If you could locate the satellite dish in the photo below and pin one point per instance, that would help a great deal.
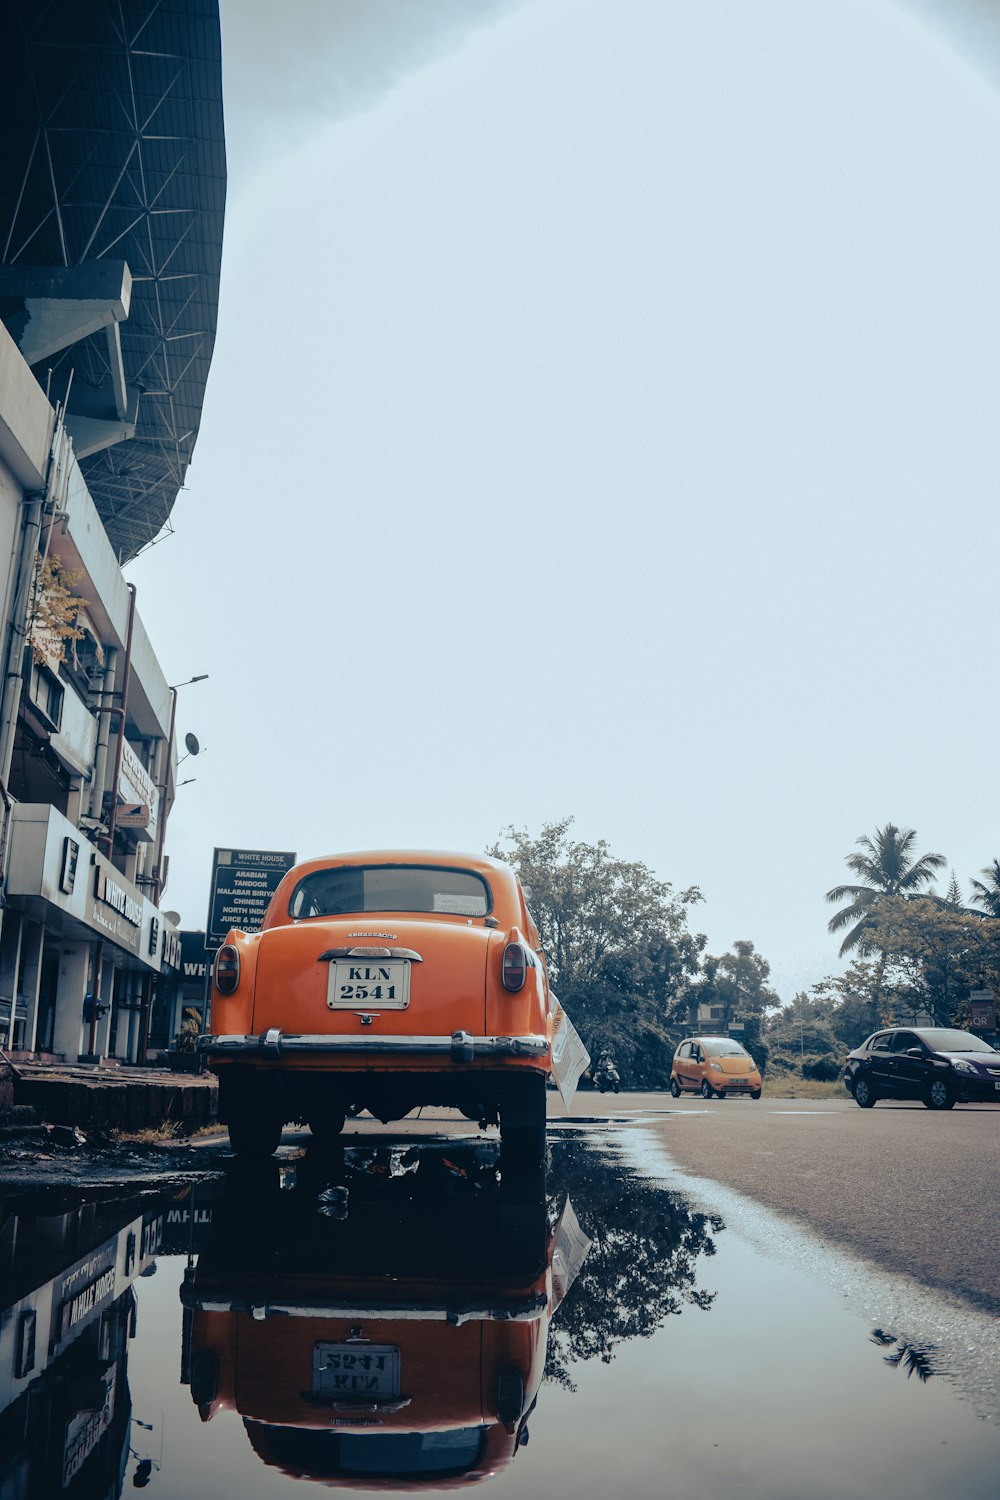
(191, 744)
(173, 917)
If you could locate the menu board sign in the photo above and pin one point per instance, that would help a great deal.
(243, 882)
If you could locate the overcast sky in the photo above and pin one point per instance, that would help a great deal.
(603, 421)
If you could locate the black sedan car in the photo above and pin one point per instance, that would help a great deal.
(936, 1064)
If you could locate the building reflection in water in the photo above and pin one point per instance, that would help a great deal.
(384, 1315)
(68, 1315)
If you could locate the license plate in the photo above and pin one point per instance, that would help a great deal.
(368, 984)
(736, 1082)
(353, 1371)
(996, 1085)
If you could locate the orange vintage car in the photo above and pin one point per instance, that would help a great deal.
(385, 981)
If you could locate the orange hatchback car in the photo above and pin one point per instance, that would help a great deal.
(714, 1065)
(385, 981)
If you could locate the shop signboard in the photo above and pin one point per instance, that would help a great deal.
(243, 882)
(193, 960)
(85, 1290)
(137, 796)
(85, 1428)
(984, 1014)
(114, 907)
(170, 952)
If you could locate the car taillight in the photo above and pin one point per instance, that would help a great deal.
(515, 967)
(227, 969)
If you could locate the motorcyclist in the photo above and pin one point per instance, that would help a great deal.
(606, 1075)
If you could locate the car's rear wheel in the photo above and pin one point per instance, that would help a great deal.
(254, 1135)
(939, 1095)
(675, 1088)
(327, 1125)
(522, 1117)
(864, 1094)
(706, 1089)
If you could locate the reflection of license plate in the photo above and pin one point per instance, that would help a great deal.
(379, 983)
(355, 1371)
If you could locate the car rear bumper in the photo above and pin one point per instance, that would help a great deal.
(526, 1308)
(460, 1046)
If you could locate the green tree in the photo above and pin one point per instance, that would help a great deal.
(855, 1003)
(736, 983)
(621, 956)
(936, 954)
(804, 1026)
(986, 894)
(886, 867)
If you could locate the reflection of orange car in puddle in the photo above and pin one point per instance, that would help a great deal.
(389, 1329)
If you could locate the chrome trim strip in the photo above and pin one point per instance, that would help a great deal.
(462, 1046)
(410, 953)
(525, 1310)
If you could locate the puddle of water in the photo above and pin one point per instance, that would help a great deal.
(967, 1339)
(400, 1318)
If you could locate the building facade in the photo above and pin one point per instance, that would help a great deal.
(112, 191)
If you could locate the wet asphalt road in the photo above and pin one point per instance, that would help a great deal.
(909, 1189)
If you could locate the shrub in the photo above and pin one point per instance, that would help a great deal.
(824, 1069)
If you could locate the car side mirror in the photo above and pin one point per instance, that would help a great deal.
(914, 1051)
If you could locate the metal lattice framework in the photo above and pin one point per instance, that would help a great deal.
(112, 145)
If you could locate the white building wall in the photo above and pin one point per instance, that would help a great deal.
(39, 911)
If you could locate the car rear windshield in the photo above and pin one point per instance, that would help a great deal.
(369, 888)
(724, 1049)
(943, 1040)
(324, 1455)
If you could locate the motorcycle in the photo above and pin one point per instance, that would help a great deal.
(606, 1077)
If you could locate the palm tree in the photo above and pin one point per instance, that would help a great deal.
(888, 868)
(987, 895)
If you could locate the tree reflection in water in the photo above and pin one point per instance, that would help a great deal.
(915, 1359)
(642, 1265)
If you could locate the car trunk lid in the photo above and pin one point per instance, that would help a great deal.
(415, 976)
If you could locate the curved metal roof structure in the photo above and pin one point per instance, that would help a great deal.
(113, 170)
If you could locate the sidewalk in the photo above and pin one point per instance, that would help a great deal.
(121, 1097)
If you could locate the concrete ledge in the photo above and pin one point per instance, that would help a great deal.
(126, 1099)
(6, 1088)
(26, 419)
